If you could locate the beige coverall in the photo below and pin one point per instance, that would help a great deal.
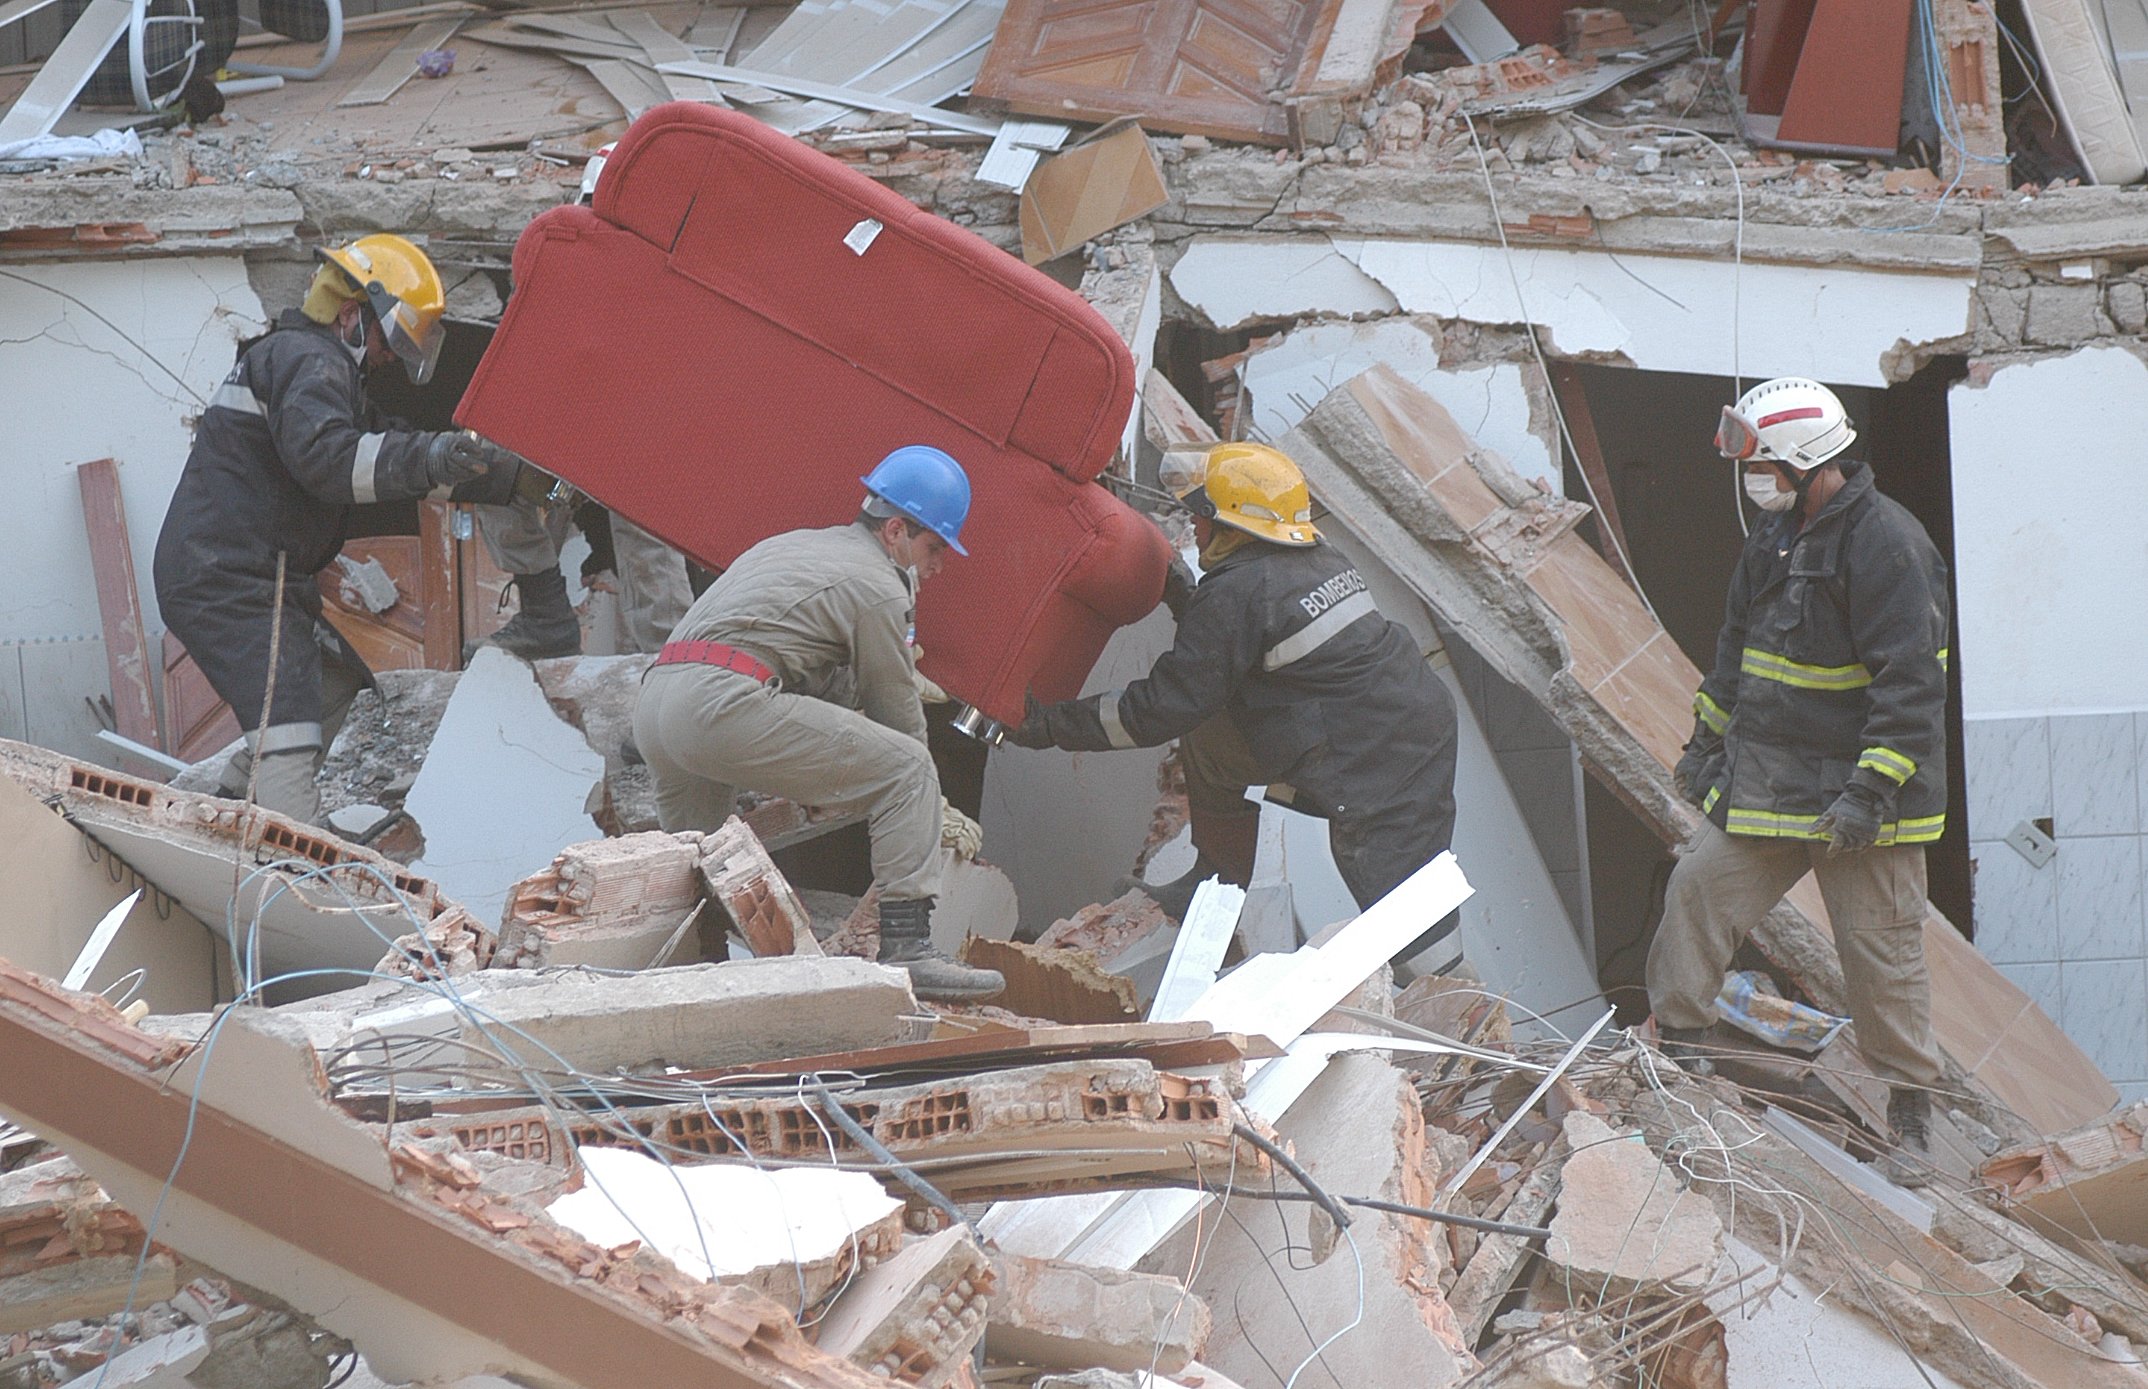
(524, 538)
(826, 610)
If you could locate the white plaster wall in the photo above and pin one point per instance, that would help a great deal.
(1491, 403)
(1663, 313)
(2050, 556)
(105, 359)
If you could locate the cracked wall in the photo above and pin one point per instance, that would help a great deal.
(99, 359)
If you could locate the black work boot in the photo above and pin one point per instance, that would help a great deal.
(906, 940)
(1909, 1114)
(1684, 1045)
(1177, 895)
(544, 624)
(1224, 846)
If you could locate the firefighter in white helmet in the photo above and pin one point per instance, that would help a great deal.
(1819, 744)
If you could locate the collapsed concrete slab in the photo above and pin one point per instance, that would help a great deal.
(1498, 560)
(306, 901)
(402, 1251)
(1068, 1126)
(1067, 1316)
(1626, 1225)
(696, 1015)
(1292, 1281)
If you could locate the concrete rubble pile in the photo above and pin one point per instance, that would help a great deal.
(552, 1159)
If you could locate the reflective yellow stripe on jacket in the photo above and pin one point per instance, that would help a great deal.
(1711, 713)
(1767, 824)
(1888, 763)
(1769, 666)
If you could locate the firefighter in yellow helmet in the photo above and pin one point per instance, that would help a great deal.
(1284, 675)
(288, 446)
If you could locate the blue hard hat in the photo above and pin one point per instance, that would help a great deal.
(927, 486)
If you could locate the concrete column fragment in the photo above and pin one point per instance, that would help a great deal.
(697, 1015)
(1062, 1315)
(1626, 1225)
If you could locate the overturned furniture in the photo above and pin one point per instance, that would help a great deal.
(739, 327)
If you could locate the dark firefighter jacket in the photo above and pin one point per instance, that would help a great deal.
(288, 445)
(1831, 666)
(1335, 700)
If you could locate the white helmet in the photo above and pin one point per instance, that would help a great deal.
(1792, 419)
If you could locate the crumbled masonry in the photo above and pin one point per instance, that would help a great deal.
(489, 1079)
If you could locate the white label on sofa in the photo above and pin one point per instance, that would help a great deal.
(861, 235)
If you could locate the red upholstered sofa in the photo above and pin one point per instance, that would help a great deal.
(739, 327)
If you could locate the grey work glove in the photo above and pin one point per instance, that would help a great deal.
(1701, 749)
(1031, 732)
(458, 456)
(1178, 587)
(1852, 823)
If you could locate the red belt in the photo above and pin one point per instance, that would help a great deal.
(713, 653)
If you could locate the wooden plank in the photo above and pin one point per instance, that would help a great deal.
(511, 35)
(663, 46)
(67, 71)
(820, 91)
(626, 83)
(1207, 67)
(799, 26)
(119, 602)
(401, 62)
(717, 30)
(199, 722)
(437, 594)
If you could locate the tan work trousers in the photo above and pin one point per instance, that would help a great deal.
(1724, 884)
(525, 538)
(705, 732)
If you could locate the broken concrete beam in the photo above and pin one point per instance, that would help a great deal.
(185, 844)
(610, 903)
(794, 1234)
(747, 884)
(2057, 1277)
(1117, 1122)
(1067, 986)
(696, 1015)
(1357, 1129)
(1062, 1315)
(1498, 561)
(427, 1273)
(1626, 1225)
(913, 1318)
(2092, 1181)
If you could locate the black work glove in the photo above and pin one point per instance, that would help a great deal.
(1701, 749)
(1177, 587)
(457, 456)
(1031, 731)
(1853, 821)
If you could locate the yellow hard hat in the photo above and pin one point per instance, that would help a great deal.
(403, 290)
(1252, 488)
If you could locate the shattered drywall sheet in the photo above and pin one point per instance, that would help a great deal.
(101, 359)
(504, 787)
(1661, 313)
(1289, 377)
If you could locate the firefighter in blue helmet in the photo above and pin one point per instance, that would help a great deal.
(793, 675)
(1819, 745)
